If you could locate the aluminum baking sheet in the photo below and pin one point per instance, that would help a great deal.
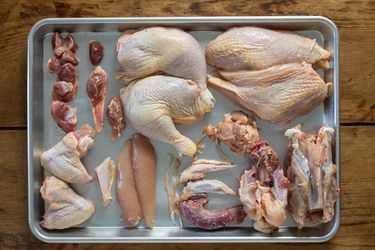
(106, 223)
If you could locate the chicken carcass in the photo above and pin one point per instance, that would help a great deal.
(97, 90)
(253, 48)
(63, 160)
(116, 117)
(153, 104)
(313, 176)
(106, 175)
(64, 115)
(263, 189)
(171, 51)
(278, 94)
(67, 208)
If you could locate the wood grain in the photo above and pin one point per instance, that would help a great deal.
(357, 230)
(355, 20)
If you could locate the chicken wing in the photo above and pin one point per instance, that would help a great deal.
(67, 208)
(63, 160)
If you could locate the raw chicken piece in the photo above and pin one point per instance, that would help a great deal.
(96, 51)
(194, 188)
(116, 117)
(198, 168)
(64, 115)
(278, 94)
(238, 131)
(193, 211)
(60, 44)
(313, 176)
(265, 161)
(63, 160)
(154, 103)
(64, 52)
(127, 195)
(264, 188)
(97, 90)
(253, 48)
(54, 64)
(64, 91)
(144, 170)
(106, 175)
(172, 51)
(67, 208)
(67, 72)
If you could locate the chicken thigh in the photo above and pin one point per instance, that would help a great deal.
(278, 94)
(63, 160)
(67, 208)
(253, 48)
(153, 104)
(170, 51)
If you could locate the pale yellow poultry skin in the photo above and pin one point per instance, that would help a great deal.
(277, 94)
(153, 104)
(254, 48)
(67, 208)
(161, 50)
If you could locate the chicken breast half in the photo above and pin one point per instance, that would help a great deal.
(254, 48)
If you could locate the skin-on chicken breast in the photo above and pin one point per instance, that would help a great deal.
(253, 48)
(277, 94)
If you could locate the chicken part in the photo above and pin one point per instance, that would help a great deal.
(116, 117)
(254, 48)
(153, 104)
(144, 169)
(67, 208)
(198, 168)
(263, 189)
(64, 52)
(64, 91)
(96, 51)
(313, 176)
(237, 130)
(127, 195)
(63, 160)
(193, 211)
(64, 115)
(194, 188)
(169, 51)
(106, 175)
(277, 94)
(97, 90)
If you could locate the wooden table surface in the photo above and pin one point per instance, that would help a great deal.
(356, 22)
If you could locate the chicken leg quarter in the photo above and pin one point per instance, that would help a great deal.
(155, 50)
(154, 103)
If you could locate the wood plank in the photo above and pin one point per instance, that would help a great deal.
(357, 229)
(354, 19)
